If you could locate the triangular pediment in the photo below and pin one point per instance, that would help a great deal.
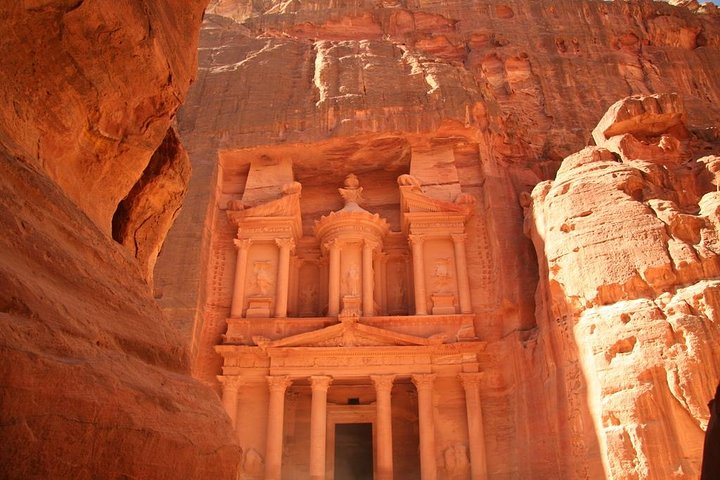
(349, 333)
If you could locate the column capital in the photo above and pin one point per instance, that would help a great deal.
(471, 380)
(278, 383)
(231, 382)
(459, 237)
(383, 382)
(370, 244)
(288, 243)
(242, 243)
(333, 244)
(423, 380)
(416, 239)
(320, 382)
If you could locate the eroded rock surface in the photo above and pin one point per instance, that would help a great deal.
(628, 247)
(94, 382)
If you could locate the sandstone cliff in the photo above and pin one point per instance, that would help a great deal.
(510, 88)
(627, 242)
(93, 379)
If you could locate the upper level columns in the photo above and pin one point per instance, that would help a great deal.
(238, 298)
(367, 278)
(419, 273)
(384, 447)
(286, 245)
(318, 424)
(476, 435)
(462, 272)
(426, 420)
(276, 409)
(333, 248)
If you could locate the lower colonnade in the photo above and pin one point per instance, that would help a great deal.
(440, 455)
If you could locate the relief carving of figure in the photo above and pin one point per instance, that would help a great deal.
(457, 464)
(263, 277)
(352, 281)
(307, 298)
(441, 272)
(252, 464)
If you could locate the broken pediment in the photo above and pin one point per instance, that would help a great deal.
(349, 333)
(414, 199)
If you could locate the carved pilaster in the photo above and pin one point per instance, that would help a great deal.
(367, 272)
(428, 464)
(230, 387)
(238, 299)
(333, 249)
(384, 452)
(318, 424)
(286, 245)
(416, 242)
(276, 410)
(459, 240)
(476, 432)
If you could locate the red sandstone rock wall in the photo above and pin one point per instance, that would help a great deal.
(93, 380)
(512, 87)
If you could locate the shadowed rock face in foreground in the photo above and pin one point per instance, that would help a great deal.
(94, 381)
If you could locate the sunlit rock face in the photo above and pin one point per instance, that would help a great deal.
(485, 99)
(94, 382)
(627, 237)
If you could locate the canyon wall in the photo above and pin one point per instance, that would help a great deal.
(94, 380)
(503, 91)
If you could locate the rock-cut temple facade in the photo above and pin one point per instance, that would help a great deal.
(343, 329)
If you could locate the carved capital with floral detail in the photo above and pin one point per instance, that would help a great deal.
(278, 383)
(383, 383)
(242, 243)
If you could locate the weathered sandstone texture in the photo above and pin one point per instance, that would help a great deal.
(85, 82)
(499, 93)
(627, 241)
(94, 380)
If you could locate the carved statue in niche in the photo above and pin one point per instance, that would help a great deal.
(253, 465)
(308, 300)
(441, 272)
(352, 281)
(457, 464)
(263, 277)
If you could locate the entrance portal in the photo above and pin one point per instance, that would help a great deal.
(353, 451)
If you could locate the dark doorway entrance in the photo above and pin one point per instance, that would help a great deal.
(353, 451)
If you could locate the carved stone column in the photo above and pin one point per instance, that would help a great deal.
(419, 274)
(462, 272)
(367, 278)
(230, 386)
(238, 298)
(384, 447)
(283, 276)
(333, 248)
(428, 463)
(318, 425)
(276, 409)
(476, 435)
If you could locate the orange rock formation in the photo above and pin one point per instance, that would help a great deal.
(572, 333)
(93, 380)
